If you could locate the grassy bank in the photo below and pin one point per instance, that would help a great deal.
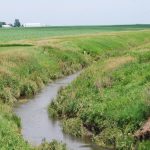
(26, 67)
(111, 97)
(23, 72)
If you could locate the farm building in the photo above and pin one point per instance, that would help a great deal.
(32, 25)
(6, 26)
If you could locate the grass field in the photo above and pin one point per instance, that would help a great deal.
(40, 33)
(110, 98)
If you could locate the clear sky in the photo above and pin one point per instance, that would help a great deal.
(76, 12)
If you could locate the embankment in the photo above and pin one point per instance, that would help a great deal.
(25, 70)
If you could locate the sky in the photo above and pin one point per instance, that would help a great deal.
(76, 12)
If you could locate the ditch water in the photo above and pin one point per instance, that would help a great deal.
(36, 124)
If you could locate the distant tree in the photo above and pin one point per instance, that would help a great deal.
(2, 23)
(17, 23)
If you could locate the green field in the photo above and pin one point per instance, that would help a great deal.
(110, 98)
(40, 33)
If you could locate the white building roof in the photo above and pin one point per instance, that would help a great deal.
(32, 25)
(6, 26)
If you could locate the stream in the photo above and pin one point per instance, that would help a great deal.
(36, 124)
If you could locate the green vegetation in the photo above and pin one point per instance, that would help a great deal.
(111, 97)
(10, 137)
(145, 145)
(14, 34)
(2, 23)
(29, 60)
(54, 145)
(24, 71)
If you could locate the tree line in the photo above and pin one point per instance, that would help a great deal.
(16, 23)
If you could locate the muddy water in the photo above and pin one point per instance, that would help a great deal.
(36, 124)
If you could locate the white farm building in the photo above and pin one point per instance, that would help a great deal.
(6, 26)
(32, 25)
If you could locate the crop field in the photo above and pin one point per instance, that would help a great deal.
(40, 33)
(109, 100)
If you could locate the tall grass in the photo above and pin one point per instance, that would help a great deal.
(23, 72)
(25, 69)
(110, 98)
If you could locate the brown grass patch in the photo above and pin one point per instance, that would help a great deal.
(13, 55)
(4, 71)
(114, 63)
